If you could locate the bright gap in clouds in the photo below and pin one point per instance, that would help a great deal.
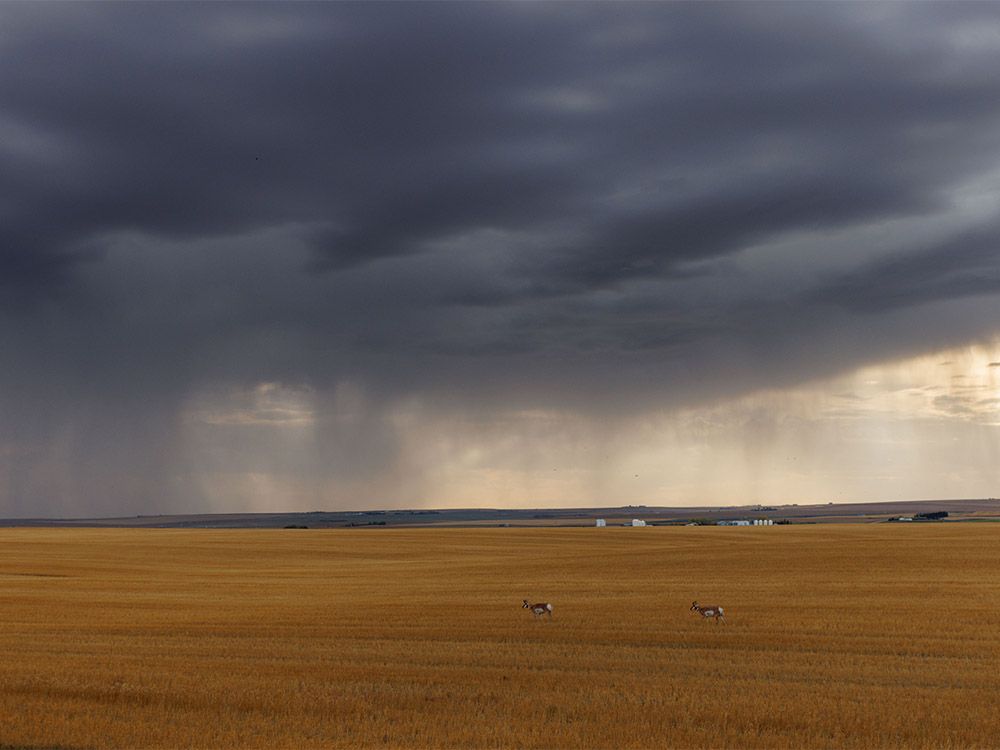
(920, 428)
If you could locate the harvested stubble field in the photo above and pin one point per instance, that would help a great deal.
(840, 637)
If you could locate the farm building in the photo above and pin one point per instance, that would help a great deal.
(637, 522)
(601, 523)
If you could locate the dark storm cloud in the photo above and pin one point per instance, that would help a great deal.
(962, 266)
(582, 206)
(391, 126)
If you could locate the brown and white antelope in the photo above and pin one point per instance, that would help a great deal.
(542, 608)
(709, 610)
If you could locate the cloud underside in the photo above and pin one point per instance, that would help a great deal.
(488, 209)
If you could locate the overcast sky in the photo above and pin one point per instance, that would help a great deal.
(307, 256)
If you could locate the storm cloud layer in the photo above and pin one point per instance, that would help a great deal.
(254, 242)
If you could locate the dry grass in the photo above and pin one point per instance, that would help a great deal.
(840, 637)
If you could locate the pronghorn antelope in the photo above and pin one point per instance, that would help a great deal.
(542, 608)
(709, 610)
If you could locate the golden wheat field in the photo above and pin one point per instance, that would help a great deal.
(838, 636)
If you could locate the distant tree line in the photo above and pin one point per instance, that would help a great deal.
(936, 515)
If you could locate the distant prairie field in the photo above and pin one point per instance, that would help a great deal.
(837, 637)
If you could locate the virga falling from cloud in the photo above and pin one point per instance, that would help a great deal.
(923, 427)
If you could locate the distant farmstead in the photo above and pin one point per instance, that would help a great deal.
(601, 523)
(637, 522)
